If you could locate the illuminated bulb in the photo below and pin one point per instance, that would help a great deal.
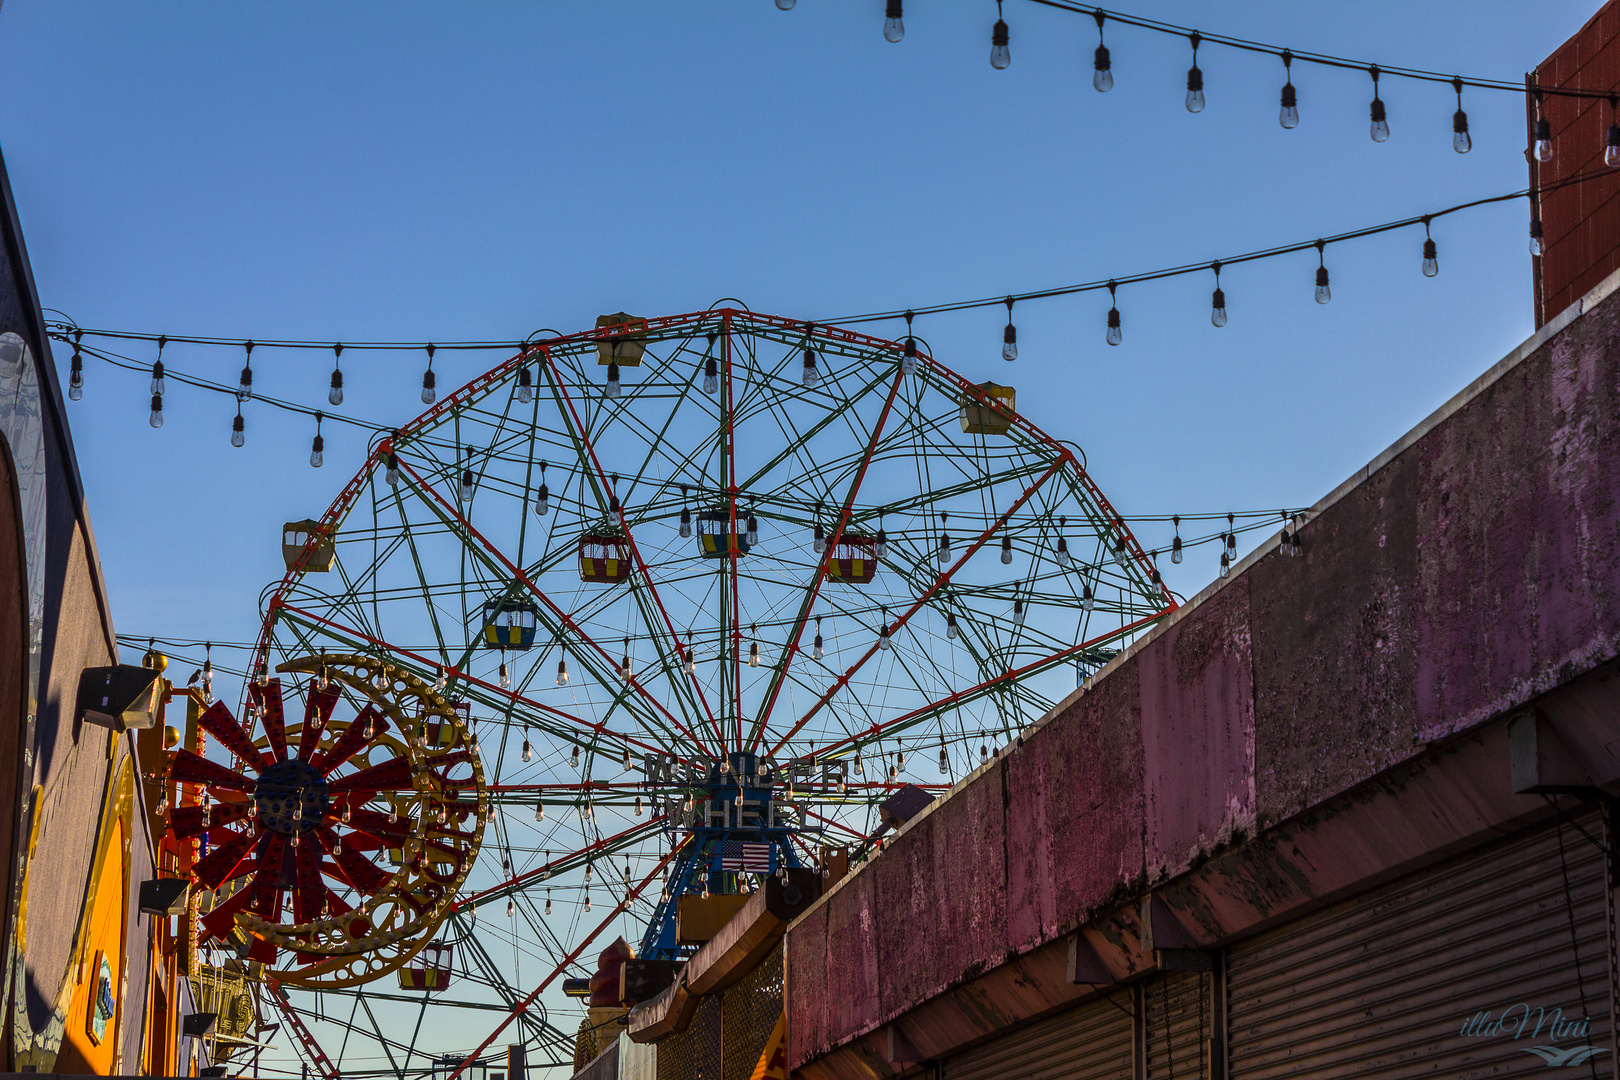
(1431, 259)
(638, 806)
(951, 629)
(156, 419)
(1323, 293)
(208, 814)
(711, 376)
(348, 814)
(510, 907)
(392, 473)
(238, 434)
(294, 841)
(893, 28)
(337, 846)
(574, 760)
(626, 763)
(539, 811)
(1544, 146)
(1006, 550)
(753, 654)
(562, 672)
(525, 386)
(157, 377)
(613, 387)
(298, 812)
(163, 806)
(818, 650)
(858, 770)
(811, 375)
(691, 663)
(1217, 308)
(1000, 54)
(548, 891)
(587, 900)
(506, 679)
(590, 871)
(393, 813)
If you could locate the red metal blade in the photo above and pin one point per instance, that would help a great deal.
(268, 698)
(228, 859)
(307, 868)
(267, 879)
(187, 821)
(377, 824)
(352, 866)
(392, 775)
(190, 768)
(219, 723)
(318, 705)
(219, 922)
(352, 741)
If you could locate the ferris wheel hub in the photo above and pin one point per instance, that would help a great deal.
(290, 798)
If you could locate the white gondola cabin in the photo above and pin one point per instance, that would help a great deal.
(296, 537)
(989, 414)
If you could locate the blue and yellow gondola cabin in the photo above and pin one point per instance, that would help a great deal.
(720, 534)
(853, 559)
(429, 969)
(509, 624)
(604, 558)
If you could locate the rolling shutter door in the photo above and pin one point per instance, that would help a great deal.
(1383, 985)
(1089, 1042)
(1178, 1021)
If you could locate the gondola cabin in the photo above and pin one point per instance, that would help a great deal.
(625, 347)
(509, 624)
(296, 537)
(429, 969)
(990, 411)
(604, 558)
(853, 559)
(720, 534)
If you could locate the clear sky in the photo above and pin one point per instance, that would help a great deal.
(413, 171)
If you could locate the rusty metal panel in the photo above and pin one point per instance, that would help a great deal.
(1400, 981)
(1089, 1042)
(750, 1010)
(1178, 1016)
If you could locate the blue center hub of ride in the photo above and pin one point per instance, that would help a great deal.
(290, 797)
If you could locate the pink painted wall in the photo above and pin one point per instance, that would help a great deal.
(1477, 568)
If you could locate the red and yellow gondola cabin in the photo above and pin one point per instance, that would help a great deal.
(430, 969)
(853, 559)
(604, 558)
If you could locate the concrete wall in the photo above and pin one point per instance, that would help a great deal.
(1472, 567)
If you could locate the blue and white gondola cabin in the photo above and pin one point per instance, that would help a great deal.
(509, 624)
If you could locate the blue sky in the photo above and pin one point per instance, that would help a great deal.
(414, 171)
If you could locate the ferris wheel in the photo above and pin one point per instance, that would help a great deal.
(667, 553)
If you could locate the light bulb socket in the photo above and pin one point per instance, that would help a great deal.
(1289, 98)
(1009, 336)
(1218, 299)
(999, 36)
(1195, 80)
(1321, 276)
(891, 10)
(430, 381)
(1429, 249)
(1378, 115)
(1459, 125)
(1101, 60)
(1113, 318)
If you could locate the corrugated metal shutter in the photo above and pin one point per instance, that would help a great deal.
(1178, 1021)
(1383, 985)
(1090, 1042)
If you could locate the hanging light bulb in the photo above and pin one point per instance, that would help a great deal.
(944, 761)
(753, 527)
(548, 891)
(984, 752)
(542, 501)
(1009, 336)
(590, 871)
(686, 515)
(893, 28)
(753, 646)
(1195, 78)
(334, 396)
(1006, 550)
(880, 546)
(908, 351)
(1217, 301)
(883, 631)
(506, 679)
(1323, 293)
(392, 473)
(244, 385)
(317, 449)
(510, 907)
(1544, 146)
(1063, 558)
(1536, 246)
(952, 631)
(528, 751)
(539, 811)
(587, 899)
(238, 428)
(76, 376)
(348, 813)
(638, 806)
(1380, 121)
(1226, 565)
(1087, 600)
(1000, 55)
(1118, 547)
(1460, 141)
(624, 669)
(157, 378)
(711, 376)
(691, 662)
(430, 381)
(573, 760)
(613, 387)
(1611, 149)
(525, 385)
(1102, 66)
(1288, 117)
(468, 481)
(1431, 258)
(1115, 334)
(156, 419)
(818, 537)
(811, 375)
(1018, 610)
(859, 771)
(626, 764)
(1175, 544)
(817, 649)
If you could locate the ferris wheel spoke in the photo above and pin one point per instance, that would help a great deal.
(820, 576)
(563, 863)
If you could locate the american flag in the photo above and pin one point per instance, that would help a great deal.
(748, 856)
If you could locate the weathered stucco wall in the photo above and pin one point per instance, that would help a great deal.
(1472, 567)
